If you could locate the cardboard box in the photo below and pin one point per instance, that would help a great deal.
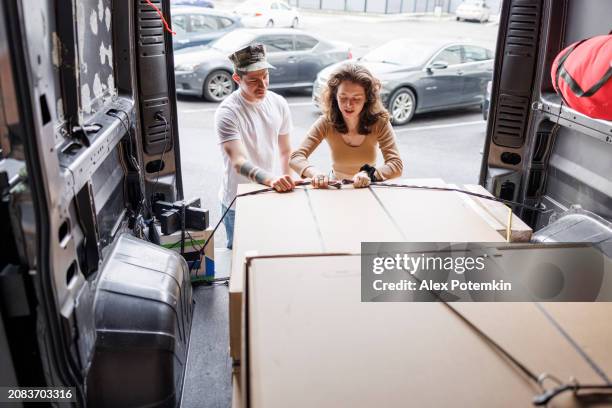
(308, 221)
(194, 241)
(308, 330)
(236, 388)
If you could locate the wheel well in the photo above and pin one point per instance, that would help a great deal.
(414, 92)
(227, 71)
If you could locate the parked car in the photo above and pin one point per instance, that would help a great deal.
(198, 3)
(267, 13)
(296, 56)
(477, 10)
(199, 26)
(487, 101)
(424, 76)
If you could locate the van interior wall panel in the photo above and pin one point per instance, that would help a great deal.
(87, 249)
(66, 61)
(96, 77)
(579, 172)
(121, 13)
(576, 168)
(571, 21)
(34, 44)
(110, 198)
(154, 90)
(516, 76)
(517, 57)
(540, 148)
(553, 36)
(584, 22)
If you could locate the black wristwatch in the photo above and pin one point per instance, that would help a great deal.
(370, 171)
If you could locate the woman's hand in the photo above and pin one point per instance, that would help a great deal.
(320, 180)
(361, 180)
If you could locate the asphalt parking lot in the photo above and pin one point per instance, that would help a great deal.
(442, 144)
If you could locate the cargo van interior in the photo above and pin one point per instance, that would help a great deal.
(89, 141)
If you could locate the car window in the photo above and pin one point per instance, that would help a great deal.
(304, 42)
(400, 52)
(473, 54)
(180, 21)
(277, 43)
(451, 55)
(224, 22)
(232, 41)
(180, 32)
(203, 24)
(284, 6)
(274, 6)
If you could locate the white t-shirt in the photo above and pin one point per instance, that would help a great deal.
(257, 125)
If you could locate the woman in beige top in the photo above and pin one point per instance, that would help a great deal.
(354, 124)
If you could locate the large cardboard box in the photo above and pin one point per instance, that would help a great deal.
(309, 221)
(236, 388)
(311, 342)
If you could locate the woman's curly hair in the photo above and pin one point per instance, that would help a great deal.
(373, 109)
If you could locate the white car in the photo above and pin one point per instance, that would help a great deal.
(267, 13)
(473, 10)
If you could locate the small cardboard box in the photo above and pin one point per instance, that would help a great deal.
(204, 267)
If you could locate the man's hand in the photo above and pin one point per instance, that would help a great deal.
(320, 180)
(282, 183)
(361, 180)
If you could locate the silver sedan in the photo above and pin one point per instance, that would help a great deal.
(297, 56)
(420, 76)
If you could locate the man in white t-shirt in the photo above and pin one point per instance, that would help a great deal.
(253, 126)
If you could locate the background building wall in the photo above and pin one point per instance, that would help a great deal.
(389, 6)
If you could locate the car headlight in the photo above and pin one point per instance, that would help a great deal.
(186, 67)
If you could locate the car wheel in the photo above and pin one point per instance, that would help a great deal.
(270, 24)
(218, 86)
(294, 23)
(402, 106)
(485, 113)
(457, 18)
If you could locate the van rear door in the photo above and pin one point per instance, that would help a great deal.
(92, 87)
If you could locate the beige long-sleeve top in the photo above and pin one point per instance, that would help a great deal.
(346, 159)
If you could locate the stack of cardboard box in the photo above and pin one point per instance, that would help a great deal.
(302, 337)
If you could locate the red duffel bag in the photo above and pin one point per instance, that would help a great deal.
(582, 75)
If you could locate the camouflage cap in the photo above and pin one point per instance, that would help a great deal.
(250, 58)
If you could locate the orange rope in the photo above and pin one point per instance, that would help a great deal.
(162, 17)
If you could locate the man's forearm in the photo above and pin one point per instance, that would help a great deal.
(254, 173)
